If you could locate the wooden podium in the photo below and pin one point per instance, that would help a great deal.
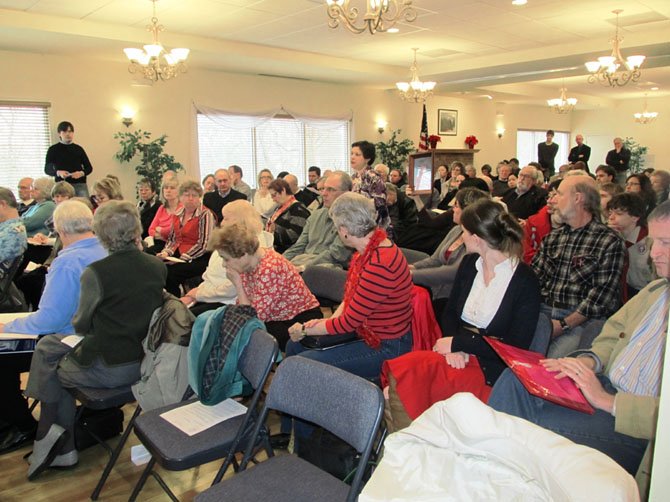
(448, 155)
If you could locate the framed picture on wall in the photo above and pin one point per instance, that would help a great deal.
(420, 174)
(447, 122)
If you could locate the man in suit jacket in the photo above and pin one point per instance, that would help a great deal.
(527, 198)
(580, 152)
(223, 194)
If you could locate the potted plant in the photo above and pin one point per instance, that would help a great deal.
(471, 141)
(394, 153)
(637, 155)
(434, 139)
(154, 162)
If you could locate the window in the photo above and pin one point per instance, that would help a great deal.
(23, 143)
(280, 143)
(527, 141)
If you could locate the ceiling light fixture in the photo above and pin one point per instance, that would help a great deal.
(563, 104)
(415, 90)
(148, 62)
(646, 116)
(614, 70)
(380, 16)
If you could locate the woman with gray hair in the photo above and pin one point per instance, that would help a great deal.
(36, 216)
(117, 298)
(376, 304)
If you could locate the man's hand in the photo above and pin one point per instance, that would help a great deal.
(2, 327)
(63, 174)
(77, 174)
(457, 360)
(580, 370)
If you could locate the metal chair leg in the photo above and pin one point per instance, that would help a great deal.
(143, 479)
(115, 454)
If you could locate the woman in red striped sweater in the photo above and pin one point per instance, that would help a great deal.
(376, 302)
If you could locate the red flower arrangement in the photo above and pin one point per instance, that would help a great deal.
(434, 138)
(471, 141)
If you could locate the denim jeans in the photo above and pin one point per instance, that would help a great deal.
(356, 357)
(579, 337)
(596, 431)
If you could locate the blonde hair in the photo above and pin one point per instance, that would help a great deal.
(110, 187)
(245, 214)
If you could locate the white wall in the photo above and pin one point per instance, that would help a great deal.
(90, 93)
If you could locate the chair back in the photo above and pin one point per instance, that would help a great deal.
(11, 299)
(257, 357)
(542, 336)
(346, 405)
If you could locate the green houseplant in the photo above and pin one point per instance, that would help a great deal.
(154, 162)
(394, 153)
(637, 153)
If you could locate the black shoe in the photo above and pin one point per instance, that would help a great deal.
(280, 441)
(15, 439)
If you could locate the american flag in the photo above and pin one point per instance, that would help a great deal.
(423, 140)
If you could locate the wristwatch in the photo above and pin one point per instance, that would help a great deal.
(564, 325)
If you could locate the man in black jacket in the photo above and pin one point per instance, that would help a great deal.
(527, 198)
(546, 153)
(580, 152)
(222, 195)
(619, 159)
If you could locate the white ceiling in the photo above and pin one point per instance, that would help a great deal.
(476, 48)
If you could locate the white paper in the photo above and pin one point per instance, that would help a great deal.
(17, 336)
(72, 340)
(173, 259)
(10, 316)
(32, 266)
(197, 417)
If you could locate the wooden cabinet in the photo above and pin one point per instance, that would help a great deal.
(439, 157)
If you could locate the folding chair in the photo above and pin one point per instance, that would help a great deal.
(176, 451)
(11, 299)
(103, 399)
(341, 402)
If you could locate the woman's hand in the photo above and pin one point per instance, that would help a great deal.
(580, 370)
(40, 237)
(296, 332)
(443, 345)
(233, 276)
(458, 360)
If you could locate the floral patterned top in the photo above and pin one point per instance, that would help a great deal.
(276, 290)
(368, 183)
(13, 243)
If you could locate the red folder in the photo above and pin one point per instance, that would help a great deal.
(537, 380)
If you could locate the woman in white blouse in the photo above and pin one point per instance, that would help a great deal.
(261, 199)
(494, 294)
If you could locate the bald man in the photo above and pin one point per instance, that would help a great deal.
(581, 152)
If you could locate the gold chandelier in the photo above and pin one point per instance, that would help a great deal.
(380, 16)
(562, 104)
(415, 90)
(153, 62)
(613, 70)
(645, 117)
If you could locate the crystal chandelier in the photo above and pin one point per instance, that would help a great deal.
(154, 62)
(380, 16)
(562, 104)
(646, 116)
(614, 70)
(415, 90)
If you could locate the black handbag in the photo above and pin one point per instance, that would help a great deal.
(105, 424)
(323, 342)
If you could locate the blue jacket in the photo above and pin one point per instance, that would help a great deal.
(60, 298)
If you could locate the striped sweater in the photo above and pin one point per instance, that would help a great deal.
(382, 297)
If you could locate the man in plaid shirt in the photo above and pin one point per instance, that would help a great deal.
(579, 266)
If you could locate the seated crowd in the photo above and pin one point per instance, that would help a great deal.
(587, 251)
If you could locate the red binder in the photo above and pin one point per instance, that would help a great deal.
(537, 380)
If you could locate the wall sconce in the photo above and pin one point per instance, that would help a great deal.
(127, 114)
(500, 131)
(381, 125)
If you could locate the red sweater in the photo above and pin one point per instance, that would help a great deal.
(382, 297)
